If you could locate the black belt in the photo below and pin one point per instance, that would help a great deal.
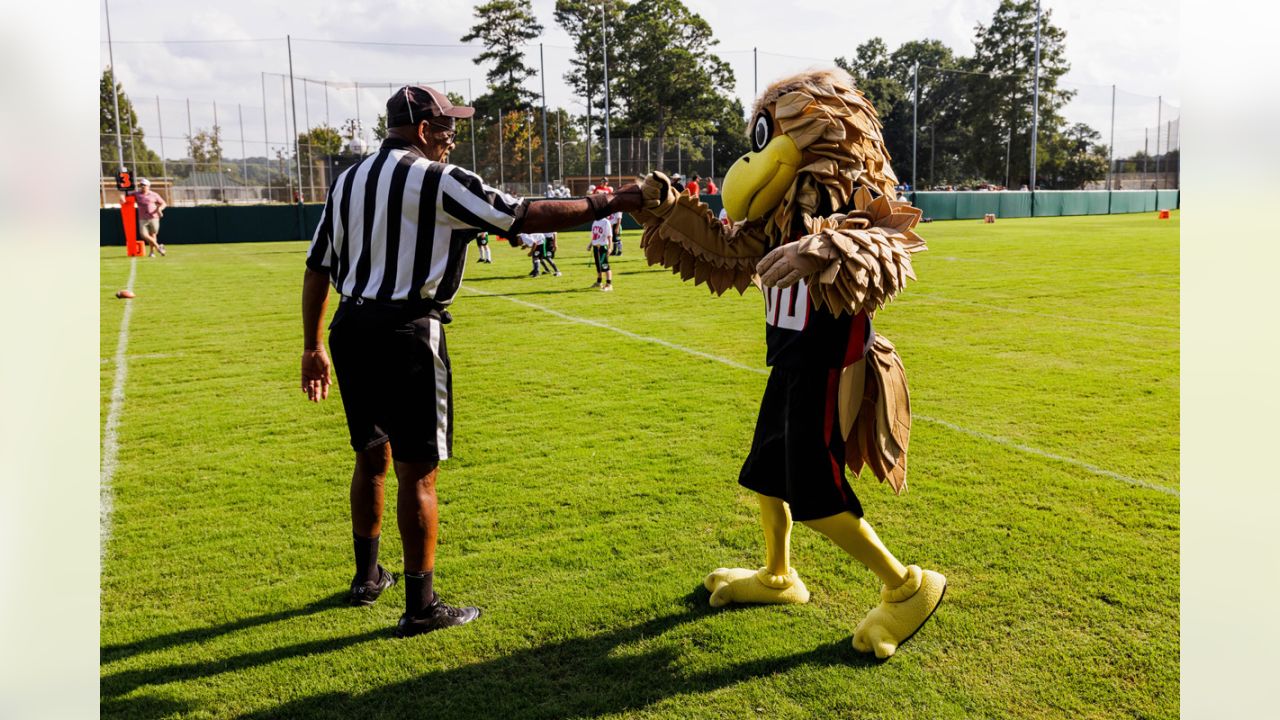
(406, 310)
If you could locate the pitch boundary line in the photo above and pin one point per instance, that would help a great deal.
(110, 444)
(1094, 469)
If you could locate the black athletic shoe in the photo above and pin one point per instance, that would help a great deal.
(364, 594)
(436, 617)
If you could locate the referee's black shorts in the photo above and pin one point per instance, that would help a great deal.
(797, 453)
(396, 384)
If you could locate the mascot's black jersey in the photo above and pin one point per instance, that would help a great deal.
(798, 335)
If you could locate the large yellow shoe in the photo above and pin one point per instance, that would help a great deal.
(901, 612)
(741, 585)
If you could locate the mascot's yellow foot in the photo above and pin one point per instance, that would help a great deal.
(901, 612)
(754, 586)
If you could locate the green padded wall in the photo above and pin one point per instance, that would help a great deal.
(272, 223)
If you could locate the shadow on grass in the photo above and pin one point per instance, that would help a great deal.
(112, 653)
(575, 678)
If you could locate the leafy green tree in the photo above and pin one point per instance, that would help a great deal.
(205, 149)
(668, 75)
(1000, 101)
(503, 26)
(320, 141)
(872, 70)
(1073, 158)
(586, 22)
(730, 136)
(887, 81)
(137, 156)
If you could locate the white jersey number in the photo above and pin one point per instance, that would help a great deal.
(787, 308)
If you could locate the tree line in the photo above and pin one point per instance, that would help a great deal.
(666, 84)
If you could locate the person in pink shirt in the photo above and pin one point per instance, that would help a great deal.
(150, 209)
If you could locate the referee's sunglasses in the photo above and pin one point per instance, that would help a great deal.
(449, 132)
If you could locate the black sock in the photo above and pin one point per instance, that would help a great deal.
(418, 592)
(366, 558)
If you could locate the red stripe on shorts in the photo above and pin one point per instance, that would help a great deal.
(828, 422)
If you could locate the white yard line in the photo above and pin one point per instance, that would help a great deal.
(110, 445)
(1101, 472)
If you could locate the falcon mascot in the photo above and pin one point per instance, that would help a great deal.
(816, 227)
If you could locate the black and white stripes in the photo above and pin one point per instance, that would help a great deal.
(396, 226)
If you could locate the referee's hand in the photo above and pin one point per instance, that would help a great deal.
(315, 374)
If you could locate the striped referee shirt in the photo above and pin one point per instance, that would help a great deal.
(396, 226)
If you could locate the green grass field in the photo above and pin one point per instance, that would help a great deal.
(594, 485)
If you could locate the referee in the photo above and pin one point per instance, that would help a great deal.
(392, 241)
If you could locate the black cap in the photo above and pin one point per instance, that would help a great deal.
(414, 103)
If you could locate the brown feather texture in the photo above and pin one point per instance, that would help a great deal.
(875, 415)
(694, 244)
(867, 252)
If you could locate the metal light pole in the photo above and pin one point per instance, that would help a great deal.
(114, 97)
(546, 158)
(1111, 159)
(560, 150)
(191, 138)
(293, 98)
(1159, 107)
(755, 72)
(604, 48)
(915, 127)
(164, 169)
(472, 123)
(1008, 147)
(266, 137)
(244, 153)
(502, 179)
(217, 132)
(1035, 101)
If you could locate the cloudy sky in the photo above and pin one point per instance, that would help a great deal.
(226, 48)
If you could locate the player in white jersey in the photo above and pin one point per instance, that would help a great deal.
(536, 242)
(601, 235)
(615, 220)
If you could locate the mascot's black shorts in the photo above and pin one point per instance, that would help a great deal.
(797, 453)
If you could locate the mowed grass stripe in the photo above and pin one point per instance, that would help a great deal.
(593, 487)
(976, 433)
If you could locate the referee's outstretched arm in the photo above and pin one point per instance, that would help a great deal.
(553, 215)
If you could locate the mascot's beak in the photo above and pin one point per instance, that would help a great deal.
(758, 180)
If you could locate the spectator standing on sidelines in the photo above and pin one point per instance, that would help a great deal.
(392, 239)
(601, 230)
(150, 209)
(711, 186)
(677, 182)
(603, 186)
(693, 188)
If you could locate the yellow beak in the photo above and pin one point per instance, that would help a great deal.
(758, 180)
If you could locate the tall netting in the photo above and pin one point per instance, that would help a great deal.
(277, 142)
